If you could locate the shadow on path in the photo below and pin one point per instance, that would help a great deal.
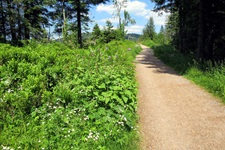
(147, 57)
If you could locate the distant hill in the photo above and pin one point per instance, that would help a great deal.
(133, 36)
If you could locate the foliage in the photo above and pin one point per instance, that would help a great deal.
(23, 19)
(125, 20)
(149, 34)
(207, 74)
(28, 19)
(197, 26)
(106, 35)
(54, 97)
(149, 30)
(96, 33)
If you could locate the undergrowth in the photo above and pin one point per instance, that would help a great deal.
(210, 75)
(54, 97)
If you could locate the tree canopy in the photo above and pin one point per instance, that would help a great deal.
(28, 19)
(196, 26)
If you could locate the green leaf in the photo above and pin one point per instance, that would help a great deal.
(102, 86)
(125, 99)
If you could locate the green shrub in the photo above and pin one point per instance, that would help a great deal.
(54, 97)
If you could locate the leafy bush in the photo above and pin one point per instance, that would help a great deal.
(54, 97)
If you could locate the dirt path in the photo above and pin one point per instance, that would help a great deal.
(174, 113)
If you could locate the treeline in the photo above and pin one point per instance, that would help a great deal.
(28, 19)
(196, 26)
(149, 33)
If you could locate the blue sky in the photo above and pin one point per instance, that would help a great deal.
(140, 10)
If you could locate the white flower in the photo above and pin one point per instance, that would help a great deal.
(9, 90)
(6, 148)
(86, 118)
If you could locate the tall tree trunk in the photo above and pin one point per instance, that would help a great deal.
(79, 35)
(201, 30)
(64, 21)
(3, 22)
(11, 21)
(181, 27)
(19, 23)
(26, 24)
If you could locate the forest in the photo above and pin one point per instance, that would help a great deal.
(196, 26)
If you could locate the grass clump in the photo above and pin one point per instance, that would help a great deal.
(54, 97)
(210, 75)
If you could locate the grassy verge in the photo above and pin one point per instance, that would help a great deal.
(211, 77)
(54, 97)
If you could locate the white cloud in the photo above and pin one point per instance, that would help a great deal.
(105, 8)
(135, 29)
(135, 8)
(159, 19)
(112, 20)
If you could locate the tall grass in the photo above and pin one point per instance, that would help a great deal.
(210, 75)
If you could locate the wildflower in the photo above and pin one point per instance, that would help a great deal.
(9, 90)
(86, 118)
(20, 88)
(121, 123)
(6, 148)
(125, 119)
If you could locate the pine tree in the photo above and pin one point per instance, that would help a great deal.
(108, 32)
(96, 33)
(200, 26)
(149, 30)
(82, 8)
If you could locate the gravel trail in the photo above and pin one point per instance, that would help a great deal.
(174, 113)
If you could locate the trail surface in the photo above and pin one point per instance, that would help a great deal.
(174, 113)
